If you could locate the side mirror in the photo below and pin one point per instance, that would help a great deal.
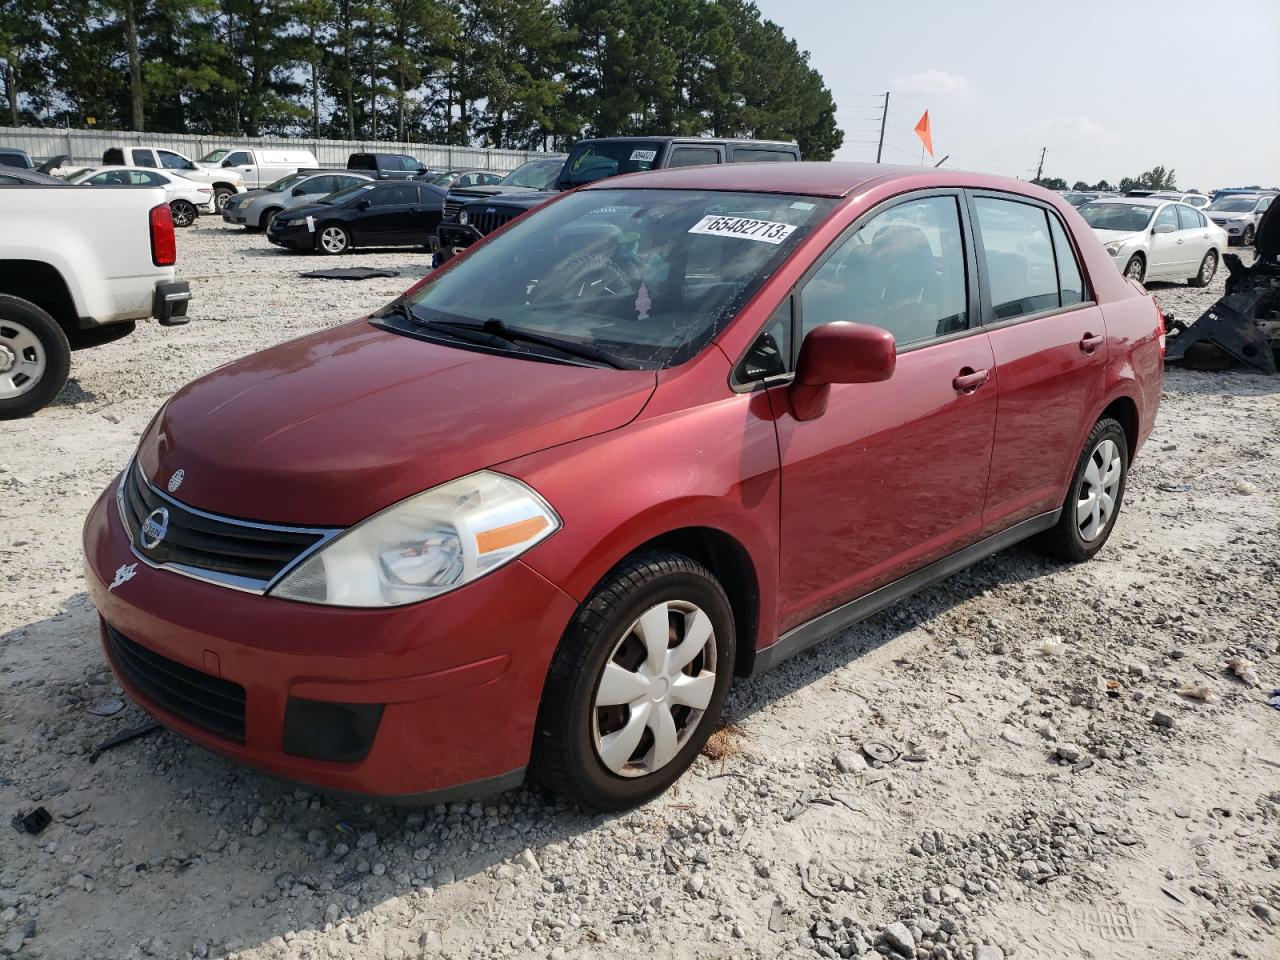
(297, 191)
(226, 163)
(364, 204)
(1163, 228)
(839, 352)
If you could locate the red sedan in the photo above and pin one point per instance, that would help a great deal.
(536, 515)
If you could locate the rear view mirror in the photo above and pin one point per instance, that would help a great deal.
(839, 353)
(1163, 228)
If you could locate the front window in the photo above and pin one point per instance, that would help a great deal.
(287, 182)
(1124, 217)
(1234, 205)
(536, 175)
(647, 276)
(589, 162)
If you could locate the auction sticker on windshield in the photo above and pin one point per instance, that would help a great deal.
(748, 229)
(644, 155)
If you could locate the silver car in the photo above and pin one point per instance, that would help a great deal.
(1239, 214)
(255, 209)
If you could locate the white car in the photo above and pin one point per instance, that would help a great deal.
(226, 183)
(259, 167)
(187, 199)
(1197, 200)
(1239, 214)
(1153, 239)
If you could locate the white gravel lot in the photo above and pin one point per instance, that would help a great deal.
(1055, 796)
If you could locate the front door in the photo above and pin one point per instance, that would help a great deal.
(1166, 253)
(894, 474)
(388, 219)
(1050, 348)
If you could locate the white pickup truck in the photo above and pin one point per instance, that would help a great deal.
(226, 183)
(78, 268)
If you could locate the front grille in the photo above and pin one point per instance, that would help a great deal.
(488, 220)
(451, 207)
(205, 701)
(234, 552)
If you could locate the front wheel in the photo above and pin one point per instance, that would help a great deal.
(184, 213)
(333, 239)
(637, 683)
(35, 358)
(1136, 268)
(221, 195)
(1094, 497)
(1246, 239)
(264, 221)
(1208, 267)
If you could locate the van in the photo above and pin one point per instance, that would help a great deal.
(259, 167)
(387, 166)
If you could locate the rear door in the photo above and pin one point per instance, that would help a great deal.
(1193, 231)
(1049, 342)
(893, 475)
(690, 155)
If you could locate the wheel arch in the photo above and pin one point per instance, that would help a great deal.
(42, 284)
(265, 215)
(1124, 410)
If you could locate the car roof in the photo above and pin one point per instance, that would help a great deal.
(1134, 201)
(32, 176)
(708, 140)
(811, 178)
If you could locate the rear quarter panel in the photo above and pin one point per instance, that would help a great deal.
(98, 238)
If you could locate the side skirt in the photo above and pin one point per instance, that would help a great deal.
(803, 637)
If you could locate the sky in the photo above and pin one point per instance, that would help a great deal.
(1111, 89)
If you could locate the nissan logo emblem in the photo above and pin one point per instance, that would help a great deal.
(154, 528)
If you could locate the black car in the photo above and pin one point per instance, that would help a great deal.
(388, 166)
(469, 216)
(13, 157)
(18, 177)
(362, 215)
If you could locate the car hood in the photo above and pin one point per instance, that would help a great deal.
(472, 193)
(524, 201)
(333, 427)
(1117, 236)
(1227, 214)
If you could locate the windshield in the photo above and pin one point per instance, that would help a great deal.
(284, 183)
(595, 161)
(1129, 217)
(649, 276)
(443, 179)
(1076, 199)
(1234, 204)
(214, 156)
(536, 175)
(346, 193)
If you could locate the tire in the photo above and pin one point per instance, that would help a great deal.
(184, 213)
(1246, 238)
(220, 197)
(1071, 539)
(35, 358)
(333, 239)
(573, 733)
(1208, 269)
(1136, 268)
(268, 215)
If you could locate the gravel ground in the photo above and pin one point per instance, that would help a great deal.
(1073, 771)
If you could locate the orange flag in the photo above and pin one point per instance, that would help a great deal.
(924, 133)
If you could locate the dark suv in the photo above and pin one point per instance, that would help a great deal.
(468, 216)
(387, 166)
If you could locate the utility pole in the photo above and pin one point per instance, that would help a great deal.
(1040, 165)
(884, 116)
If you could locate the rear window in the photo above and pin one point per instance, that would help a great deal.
(589, 162)
(113, 157)
(362, 161)
(1022, 271)
(759, 155)
(12, 160)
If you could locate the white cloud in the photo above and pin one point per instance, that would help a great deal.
(1078, 130)
(936, 83)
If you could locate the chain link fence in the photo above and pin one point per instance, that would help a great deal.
(85, 147)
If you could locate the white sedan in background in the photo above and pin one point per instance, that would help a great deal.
(1152, 239)
(187, 199)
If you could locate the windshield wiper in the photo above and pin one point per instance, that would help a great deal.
(497, 328)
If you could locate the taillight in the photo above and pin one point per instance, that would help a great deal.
(164, 246)
(1163, 328)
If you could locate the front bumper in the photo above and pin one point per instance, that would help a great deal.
(447, 690)
(236, 216)
(169, 302)
(294, 236)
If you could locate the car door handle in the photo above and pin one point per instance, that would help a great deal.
(1180, 240)
(1090, 343)
(970, 380)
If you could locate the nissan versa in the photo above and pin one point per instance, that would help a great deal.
(536, 514)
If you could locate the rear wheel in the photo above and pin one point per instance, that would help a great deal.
(221, 195)
(333, 239)
(1136, 268)
(1094, 497)
(1208, 267)
(35, 358)
(637, 683)
(184, 213)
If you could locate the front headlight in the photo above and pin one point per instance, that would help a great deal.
(1113, 249)
(426, 545)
